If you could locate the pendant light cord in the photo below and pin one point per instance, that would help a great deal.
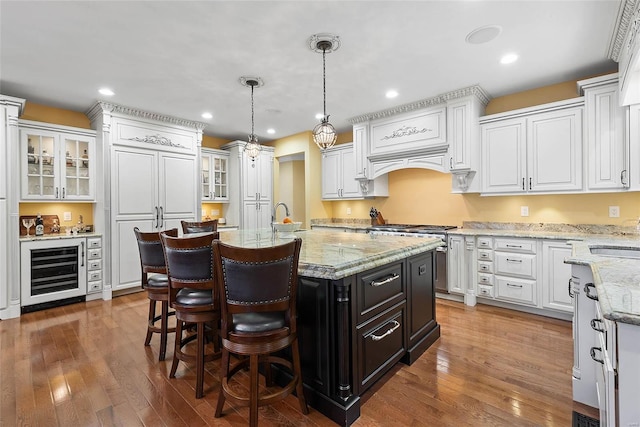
(324, 84)
(252, 133)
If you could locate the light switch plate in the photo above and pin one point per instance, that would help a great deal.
(215, 212)
(348, 211)
(524, 210)
(66, 216)
(614, 211)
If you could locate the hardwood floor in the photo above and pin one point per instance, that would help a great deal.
(85, 364)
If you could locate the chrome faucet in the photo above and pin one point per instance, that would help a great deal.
(273, 213)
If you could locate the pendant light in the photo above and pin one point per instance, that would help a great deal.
(324, 134)
(252, 147)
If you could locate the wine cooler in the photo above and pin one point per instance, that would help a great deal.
(53, 272)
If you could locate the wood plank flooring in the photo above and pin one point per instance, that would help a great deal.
(86, 365)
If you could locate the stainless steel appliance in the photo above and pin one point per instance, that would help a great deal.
(432, 231)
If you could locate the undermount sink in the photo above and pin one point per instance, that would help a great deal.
(615, 251)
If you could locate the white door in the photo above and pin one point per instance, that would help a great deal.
(250, 215)
(554, 151)
(556, 276)
(250, 177)
(177, 186)
(456, 265)
(134, 186)
(350, 186)
(265, 177)
(503, 156)
(331, 177)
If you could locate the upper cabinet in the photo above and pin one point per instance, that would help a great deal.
(338, 174)
(533, 150)
(56, 162)
(607, 155)
(214, 175)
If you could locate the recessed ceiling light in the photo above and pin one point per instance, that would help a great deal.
(483, 34)
(391, 93)
(207, 115)
(271, 131)
(106, 92)
(509, 58)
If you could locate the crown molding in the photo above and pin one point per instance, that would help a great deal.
(627, 17)
(101, 107)
(475, 90)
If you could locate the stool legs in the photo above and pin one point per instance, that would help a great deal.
(163, 330)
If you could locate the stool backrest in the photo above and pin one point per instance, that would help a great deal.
(150, 248)
(189, 227)
(189, 262)
(257, 280)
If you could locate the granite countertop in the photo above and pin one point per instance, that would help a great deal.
(617, 279)
(56, 236)
(342, 223)
(336, 255)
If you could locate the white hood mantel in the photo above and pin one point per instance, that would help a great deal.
(438, 133)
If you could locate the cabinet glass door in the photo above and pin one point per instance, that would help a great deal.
(77, 168)
(206, 176)
(220, 178)
(40, 164)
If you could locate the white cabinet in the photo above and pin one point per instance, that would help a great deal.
(151, 190)
(456, 265)
(556, 276)
(607, 156)
(214, 179)
(94, 266)
(57, 162)
(250, 187)
(338, 174)
(361, 150)
(515, 270)
(530, 151)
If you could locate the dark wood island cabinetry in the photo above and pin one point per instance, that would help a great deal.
(365, 303)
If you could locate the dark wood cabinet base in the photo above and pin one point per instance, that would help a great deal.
(421, 346)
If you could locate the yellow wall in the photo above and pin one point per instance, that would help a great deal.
(213, 142)
(53, 208)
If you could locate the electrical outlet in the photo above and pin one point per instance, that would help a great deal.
(614, 211)
(348, 211)
(524, 210)
(66, 216)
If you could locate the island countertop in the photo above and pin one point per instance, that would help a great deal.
(335, 255)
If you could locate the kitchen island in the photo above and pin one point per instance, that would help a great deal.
(365, 303)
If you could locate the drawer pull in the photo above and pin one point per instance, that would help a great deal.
(586, 291)
(385, 281)
(596, 328)
(511, 285)
(515, 246)
(570, 291)
(484, 267)
(396, 325)
(593, 354)
(514, 260)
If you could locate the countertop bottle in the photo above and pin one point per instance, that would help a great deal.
(39, 226)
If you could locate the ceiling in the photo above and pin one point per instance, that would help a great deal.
(182, 58)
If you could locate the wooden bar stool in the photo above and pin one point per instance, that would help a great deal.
(191, 294)
(156, 285)
(189, 227)
(257, 289)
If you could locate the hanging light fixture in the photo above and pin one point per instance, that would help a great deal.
(252, 147)
(324, 134)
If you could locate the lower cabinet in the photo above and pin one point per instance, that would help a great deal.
(556, 276)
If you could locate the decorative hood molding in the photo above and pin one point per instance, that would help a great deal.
(476, 90)
(626, 22)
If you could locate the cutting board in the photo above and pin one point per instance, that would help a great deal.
(47, 221)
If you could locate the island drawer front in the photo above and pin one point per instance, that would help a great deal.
(381, 344)
(521, 265)
(516, 245)
(378, 289)
(516, 290)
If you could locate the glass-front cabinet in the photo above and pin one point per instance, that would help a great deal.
(56, 164)
(214, 179)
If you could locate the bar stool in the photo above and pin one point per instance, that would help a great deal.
(191, 294)
(156, 285)
(257, 289)
(189, 227)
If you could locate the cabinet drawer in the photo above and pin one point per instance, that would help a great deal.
(94, 242)
(510, 264)
(485, 279)
(94, 286)
(95, 264)
(381, 344)
(378, 289)
(515, 290)
(485, 266)
(95, 275)
(485, 254)
(485, 243)
(485, 291)
(94, 253)
(516, 245)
